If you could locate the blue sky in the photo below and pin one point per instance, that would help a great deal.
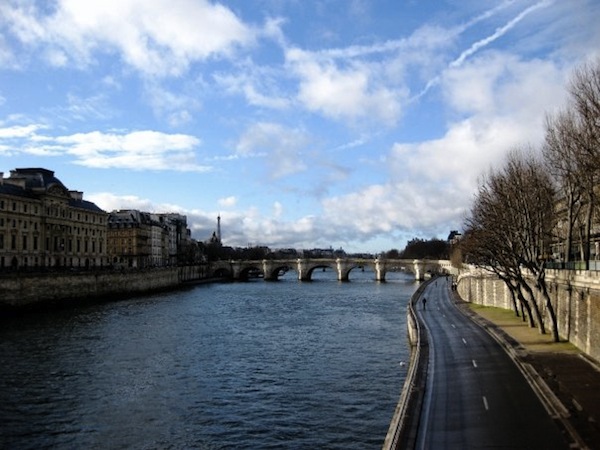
(348, 123)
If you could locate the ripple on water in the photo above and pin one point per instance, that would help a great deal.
(254, 365)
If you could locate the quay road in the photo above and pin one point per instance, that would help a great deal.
(475, 395)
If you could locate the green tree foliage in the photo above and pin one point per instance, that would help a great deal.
(421, 249)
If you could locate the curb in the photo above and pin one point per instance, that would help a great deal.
(402, 432)
(555, 408)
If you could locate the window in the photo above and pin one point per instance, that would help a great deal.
(24, 243)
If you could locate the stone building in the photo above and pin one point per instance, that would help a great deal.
(45, 225)
(179, 238)
(138, 239)
(130, 239)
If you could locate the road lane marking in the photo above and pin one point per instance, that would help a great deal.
(464, 341)
(475, 364)
(485, 404)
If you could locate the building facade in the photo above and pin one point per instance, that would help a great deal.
(45, 225)
(129, 239)
(138, 239)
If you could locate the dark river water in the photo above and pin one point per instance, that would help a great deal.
(256, 365)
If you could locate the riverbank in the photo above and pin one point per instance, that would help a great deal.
(25, 291)
(402, 432)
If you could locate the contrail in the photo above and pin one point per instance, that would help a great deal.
(485, 15)
(483, 42)
(498, 33)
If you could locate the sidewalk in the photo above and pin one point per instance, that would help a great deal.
(572, 377)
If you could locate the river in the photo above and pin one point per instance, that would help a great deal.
(256, 365)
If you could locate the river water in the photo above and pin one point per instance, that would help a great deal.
(256, 365)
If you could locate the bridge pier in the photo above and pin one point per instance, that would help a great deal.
(268, 270)
(419, 268)
(303, 273)
(343, 269)
(236, 269)
(379, 270)
(271, 269)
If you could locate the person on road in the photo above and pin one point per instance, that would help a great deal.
(424, 302)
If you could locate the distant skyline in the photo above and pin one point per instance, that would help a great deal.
(347, 123)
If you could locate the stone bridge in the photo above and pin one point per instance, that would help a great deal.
(271, 269)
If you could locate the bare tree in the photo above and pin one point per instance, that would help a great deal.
(566, 164)
(512, 219)
(490, 243)
(585, 96)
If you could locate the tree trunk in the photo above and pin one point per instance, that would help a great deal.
(534, 307)
(543, 289)
(525, 305)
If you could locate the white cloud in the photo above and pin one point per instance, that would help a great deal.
(277, 210)
(19, 131)
(162, 37)
(228, 202)
(248, 87)
(259, 85)
(241, 228)
(432, 182)
(110, 202)
(344, 93)
(135, 150)
(281, 145)
(391, 207)
(177, 108)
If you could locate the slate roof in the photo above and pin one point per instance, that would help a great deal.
(38, 179)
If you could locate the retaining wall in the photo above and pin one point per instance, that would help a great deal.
(26, 290)
(575, 296)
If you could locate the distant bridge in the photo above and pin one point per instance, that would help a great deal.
(271, 269)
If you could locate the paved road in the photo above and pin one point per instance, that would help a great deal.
(476, 397)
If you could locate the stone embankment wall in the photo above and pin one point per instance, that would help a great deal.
(20, 290)
(575, 297)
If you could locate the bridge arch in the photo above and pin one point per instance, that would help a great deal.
(311, 270)
(344, 268)
(272, 269)
(248, 272)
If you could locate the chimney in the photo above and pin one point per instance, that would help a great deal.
(76, 195)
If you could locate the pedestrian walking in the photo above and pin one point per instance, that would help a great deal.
(424, 302)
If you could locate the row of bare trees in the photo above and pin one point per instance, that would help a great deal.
(541, 205)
